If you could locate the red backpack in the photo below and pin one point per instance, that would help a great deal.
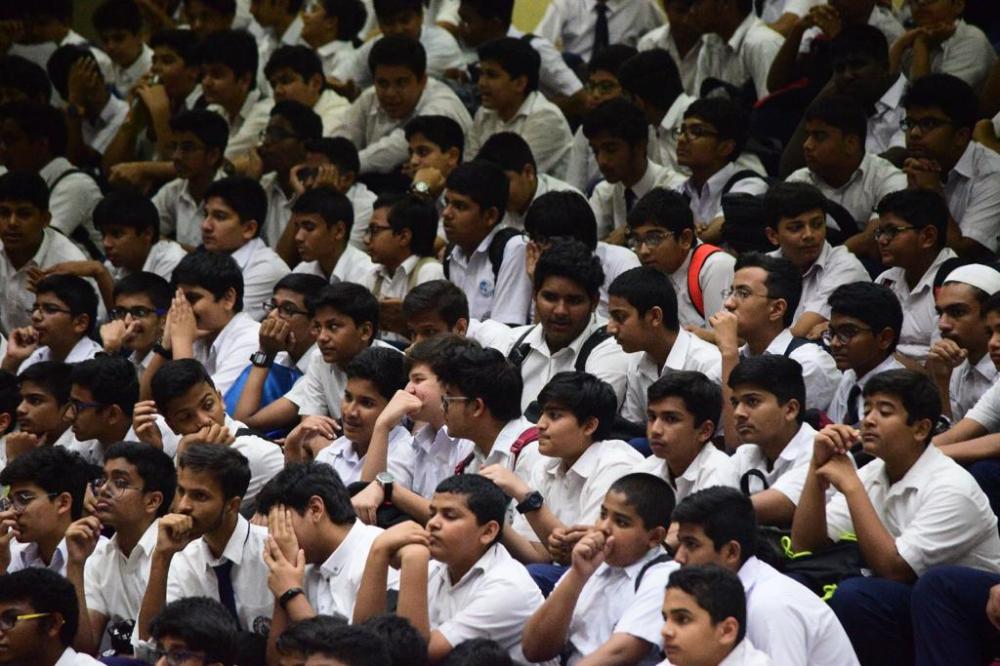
(527, 437)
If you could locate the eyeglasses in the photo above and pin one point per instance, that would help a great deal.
(692, 131)
(741, 293)
(651, 240)
(116, 486)
(10, 619)
(18, 502)
(276, 134)
(603, 87)
(137, 312)
(446, 400)
(890, 232)
(373, 230)
(925, 125)
(177, 657)
(843, 334)
(81, 406)
(285, 310)
(183, 148)
(46, 309)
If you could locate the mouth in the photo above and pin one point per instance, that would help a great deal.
(657, 445)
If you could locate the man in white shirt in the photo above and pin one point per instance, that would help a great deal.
(119, 27)
(584, 27)
(296, 74)
(942, 43)
(102, 397)
(678, 37)
(329, 27)
(911, 509)
(321, 226)
(202, 626)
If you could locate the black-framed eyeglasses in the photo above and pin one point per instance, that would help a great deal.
(177, 657)
(286, 309)
(693, 131)
(889, 233)
(843, 334)
(79, 406)
(925, 125)
(373, 230)
(138, 312)
(446, 400)
(46, 309)
(18, 502)
(652, 240)
(741, 293)
(603, 87)
(116, 486)
(276, 134)
(9, 619)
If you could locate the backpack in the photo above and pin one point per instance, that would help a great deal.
(494, 252)
(527, 437)
(80, 235)
(698, 259)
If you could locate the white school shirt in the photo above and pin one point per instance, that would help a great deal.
(162, 259)
(538, 121)
(688, 353)
(745, 56)
(544, 184)
(972, 191)
(279, 209)
(380, 139)
(397, 285)
(180, 215)
(226, 356)
(329, 107)
(332, 54)
(662, 144)
(17, 298)
(884, 130)
(124, 78)
(744, 654)
(571, 23)
(24, 555)
(505, 298)
(332, 587)
(880, 18)
(871, 181)
(615, 260)
(968, 383)
(581, 166)
(72, 198)
(363, 201)
(440, 47)
(608, 199)
(344, 459)
(352, 266)
(494, 599)
(711, 467)
(574, 494)
(191, 573)
(500, 454)
(715, 278)
(245, 128)
(772, 10)
(660, 38)
(262, 268)
(83, 350)
(71, 657)
(936, 513)
(838, 406)
(98, 132)
(706, 203)
(610, 604)
(431, 458)
(819, 370)
(265, 457)
(555, 78)
(789, 622)
(835, 266)
(967, 54)
(920, 318)
(797, 452)
(40, 54)
(320, 390)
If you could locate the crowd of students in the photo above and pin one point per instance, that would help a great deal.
(380, 332)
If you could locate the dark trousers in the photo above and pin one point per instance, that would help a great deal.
(949, 617)
(546, 576)
(876, 615)
(987, 475)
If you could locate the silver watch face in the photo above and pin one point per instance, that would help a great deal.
(383, 477)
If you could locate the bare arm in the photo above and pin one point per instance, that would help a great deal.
(784, 68)
(773, 508)
(964, 430)
(547, 629)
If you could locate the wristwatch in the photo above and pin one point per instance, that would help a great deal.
(288, 595)
(421, 188)
(532, 502)
(261, 359)
(385, 481)
(163, 351)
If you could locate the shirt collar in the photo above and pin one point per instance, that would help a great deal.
(780, 343)
(889, 363)
(406, 267)
(736, 41)
(966, 163)
(691, 473)
(508, 435)
(488, 561)
(919, 474)
(985, 368)
(253, 97)
(646, 183)
(228, 329)
(891, 98)
(675, 114)
(336, 46)
(583, 467)
(819, 263)
(140, 66)
(536, 338)
(714, 183)
(147, 542)
(799, 445)
(345, 553)
(679, 352)
(235, 547)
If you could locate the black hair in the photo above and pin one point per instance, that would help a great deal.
(154, 467)
(210, 127)
(953, 96)
(340, 151)
(301, 283)
(111, 378)
(78, 295)
(507, 150)
(300, 59)
(47, 592)
(918, 393)
(175, 378)
(842, 112)
(244, 195)
(920, 208)
(60, 63)
(305, 122)
(54, 469)
(500, 10)
(305, 636)
(725, 514)
(651, 497)
(61, 10)
(478, 651)
(329, 204)
(783, 279)
(224, 7)
(774, 373)
(992, 304)
(874, 304)
(25, 186)
(351, 16)
(485, 374)
(484, 183)
(442, 297)
(651, 76)
(53, 377)
(516, 57)
(702, 397)
(10, 398)
(118, 15)
(420, 216)
(561, 214)
(717, 590)
(384, 368)
(182, 42)
(860, 41)
(610, 59)
(430, 350)
(234, 49)
(225, 464)
(294, 485)
(398, 51)
(26, 77)
(203, 624)
(619, 118)
(215, 272)
(485, 499)
(386, 10)
(405, 644)
(127, 208)
(790, 199)
(353, 646)
(442, 131)
(645, 287)
(585, 396)
(152, 285)
(349, 299)
(730, 121)
(662, 208)
(39, 121)
(572, 260)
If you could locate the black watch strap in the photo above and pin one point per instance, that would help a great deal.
(532, 502)
(288, 595)
(163, 351)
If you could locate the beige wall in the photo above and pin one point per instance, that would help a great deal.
(527, 13)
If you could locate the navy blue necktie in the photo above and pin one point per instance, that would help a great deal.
(223, 573)
(852, 406)
(602, 37)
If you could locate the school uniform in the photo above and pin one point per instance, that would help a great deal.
(714, 279)
(581, 166)
(97, 132)
(352, 266)
(967, 54)
(797, 453)
(342, 456)
(711, 467)
(180, 215)
(25, 555)
(819, 370)
(225, 357)
(440, 47)
(262, 268)
(329, 107)
(123, 79)
(545, 184)
(745, 57)
(706, 202)
(839, 406)
(333, 54)
(363, 201)
(662, 144)
(969, 383)
(615, 260)
(83, 350)
(835, 266)
(972, 190)
(573, 23)
(744, 654)
(162, 259)
(522, 463)
(279, 209)
(687, 65)
(431, 457)
(72, 198)
(555, 78)
(884, 129)
(71, 657)
(880, 18)
(611, 202)
(505, 297)
(250, 120)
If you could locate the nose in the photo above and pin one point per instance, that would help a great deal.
(22, 409)
(729, 303)
(206, 224)
(560, 307)
(681, 557)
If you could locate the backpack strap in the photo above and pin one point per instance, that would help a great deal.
(80, 235)
(742, 174)
(446, 261)
(698, 259)
(460, 467)
(796, 343)
(848, 225)
(752, 474)
(412, 280)
(497, 247)
(520, 350)
(659, 559)
(527, 437)
(597, 337)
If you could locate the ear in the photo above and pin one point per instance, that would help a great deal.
(64, 503)
(5, 421)
(521, 83)
(147, 234)
(656, 536)
(727, 632)
(115, 414)
(492, 216)
(654, 316)
(778, 308)
(316, 83)
(590, 426)
(367, 331)
(706, 431)
(248, 229)
(726, 149)
(772, 236)
(346, 180)
(732, 554)
(233, 504)
(46, 218)
(461, 327)
(229, 299)
(339, 230)
(214, 155)
(315, 509)
(81, 324)
(245, 80)
(529, 172)
(453, 156)
(922, 429)
(489, 532)
(792, 409)
(478, 407)
(885, 338)
(686, 239)
(153, 501)
(405, 237)
(928, 236)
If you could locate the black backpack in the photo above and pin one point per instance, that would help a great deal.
(80, 235)
(495, 252)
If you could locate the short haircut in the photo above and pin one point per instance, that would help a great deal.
(790, 199)
(215, 272)
(384, 368)
(54, 469)
(562, 214)
(484, 183)
(777, 374)
(10, 398)
(351, 16)
(300, 59)
(516, 57)
(783, 279)
(53, 377)
(60, 63)
(442, 131)
(701, 396)
(860, 41)
(182, 42)
(651, 76)
(874, 304)
(442, 297)
(508, 151)
(645, 287)
(841, 112)
(234, 49)
(585, 396)
(420, 216)
(61, 10)
(203, 624)
(500, 10)
(306, 636)
(405, 644)
(429, 351)
(349, 299)
(717, 590)
(339, 150)
(111, 379)
(398, 51)
(174, 378)
(47, 592)
(210, 127)
(244, 195)
(619, 118)
(305, 122)
(725, 514)
(301, 283)
(78, 295)
(155, 468)
(224, 7)
(225, 464)
(610, 59)
(39, 121)
(917, 392)
(920, 208)
(387, 10)
(25, 186)
(118, 15)
(329, 204)
(152, 285)
(651, 497)
(485, 499)
(729, 120)
(572, 260)
(953, 96)
(294, 485)
(478, 651)
(127, 208)
(992, 304)
(484, 374)
(25, 76)
(354, 646)
(661, 207)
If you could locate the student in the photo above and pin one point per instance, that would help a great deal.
(197, 147)
(196, 625)
(135, 489)
(23, 81)
(577, 25)
(911, 240)
(331, 29)
(296, 74)
(619, 139)
(38, 611)
(43, 412)
(10, 398)
(303, 638)
(47, 487)
(208, 16)
(944, 160)
(404, 643)
(350, 646)
(496, 596)
(682, 417)
(642, 316)
(784, 618)
(796, 224)
(607, 604)
(475, 202)
(62, 320)
(374, 122)
(704, 612)
(50, 25)
(680, 38)
(27, 243)
(436, 144)
(102, 398)
(119, 28)
(661, 232)
(136, 319)
(865, 323)
(279, 24)
(322, 219)
(508, 86)
(229, 69)
(439, 307)
(946, 518)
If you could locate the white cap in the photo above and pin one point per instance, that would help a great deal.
(980, 276)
